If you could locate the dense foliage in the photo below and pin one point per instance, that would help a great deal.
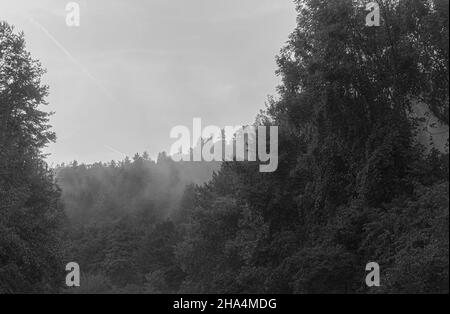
(354, 184)
(120, 215)
(30, 218)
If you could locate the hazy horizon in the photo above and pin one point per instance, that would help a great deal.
(133, 70)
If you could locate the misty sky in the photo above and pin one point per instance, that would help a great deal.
(134, 69)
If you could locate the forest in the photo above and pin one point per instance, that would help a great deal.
(360, 178)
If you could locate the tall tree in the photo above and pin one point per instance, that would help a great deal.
(353, 184)
(30, 218)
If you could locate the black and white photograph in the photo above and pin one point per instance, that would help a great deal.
(222, 154)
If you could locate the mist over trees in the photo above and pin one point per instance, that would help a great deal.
(106, 191)
(354, 184)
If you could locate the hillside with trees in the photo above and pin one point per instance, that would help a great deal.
(354, 183)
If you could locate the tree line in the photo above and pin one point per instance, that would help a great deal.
(353, 185)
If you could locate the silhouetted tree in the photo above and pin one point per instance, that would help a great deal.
(30, 218)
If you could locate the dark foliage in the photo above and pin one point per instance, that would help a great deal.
(30, 218)
(355, 184)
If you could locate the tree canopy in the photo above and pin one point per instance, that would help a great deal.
(30, 218)
(354, 183)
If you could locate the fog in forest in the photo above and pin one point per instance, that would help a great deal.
(347, 100)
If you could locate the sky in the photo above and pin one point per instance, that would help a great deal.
(134, 69)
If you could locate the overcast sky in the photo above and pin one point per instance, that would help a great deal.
(134, 69)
